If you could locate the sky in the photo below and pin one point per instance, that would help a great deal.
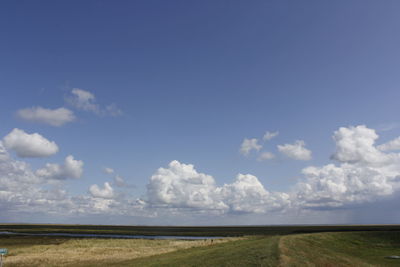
(200, 112)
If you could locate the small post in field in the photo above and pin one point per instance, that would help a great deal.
(3, 252)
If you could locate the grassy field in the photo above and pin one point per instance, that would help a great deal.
(349, 248)
(252, 251)
(52, 251)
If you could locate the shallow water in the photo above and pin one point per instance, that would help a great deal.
(114, 236)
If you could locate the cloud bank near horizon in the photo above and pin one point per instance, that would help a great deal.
(363, 173)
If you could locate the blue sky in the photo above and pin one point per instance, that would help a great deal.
(190, 81)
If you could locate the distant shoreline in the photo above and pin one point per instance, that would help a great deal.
(185, 231)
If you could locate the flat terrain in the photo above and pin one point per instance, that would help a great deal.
(252, 251)
(53, 251)
(362, 246)
(191, 230)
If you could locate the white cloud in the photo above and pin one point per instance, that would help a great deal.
(106, 192)
(295, 151)
(363, 174)
(269, 135)
(24, 191)
(108, 170)
(266, 156)
(248, 145)
(355, 144)
(29, 145)
(247, 194)
(70, 169)
(21, 190)
(391, 145)
(54, 117)
(181, 186)
(335, 186)
(14, 174)
(85, 100)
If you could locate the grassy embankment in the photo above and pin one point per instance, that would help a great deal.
(252, 251)
(318, 249)
(340, 249)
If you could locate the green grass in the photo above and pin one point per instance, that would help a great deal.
(340, 249)
(52, 251)
(253, 251)
(358, 246)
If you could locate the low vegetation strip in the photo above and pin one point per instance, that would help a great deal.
(192, 230)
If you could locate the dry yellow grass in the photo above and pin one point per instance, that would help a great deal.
(91, 251)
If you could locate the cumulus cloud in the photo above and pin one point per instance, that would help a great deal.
(391, 145)
(181, 186)
(85, 100)
(29, 145)
(21, 190)
(363, 174)
(269, 135)
(247, 194)
(106, 192)
(14, 174)
(295, 151)
(70, 169)
(25, 191)
(266, 156)
(355, 144)
(354, 178)
(333, 186)
(53, 117)
(248, 145)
